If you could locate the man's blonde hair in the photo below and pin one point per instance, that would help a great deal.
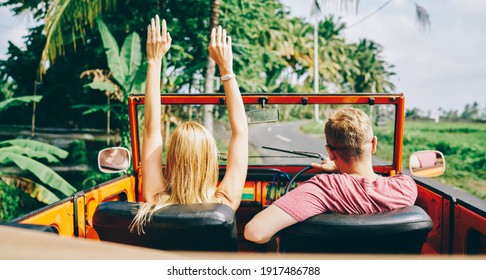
(348, 132)
(190, 173)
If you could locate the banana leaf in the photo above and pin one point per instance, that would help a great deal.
(93, 108)
(19, 100)
(35, 190)
(137, 84)
(117, 66)
(45, 174)
(131, 53)
(36, 146)
(30, 153)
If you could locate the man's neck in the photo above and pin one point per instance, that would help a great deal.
(362, 168)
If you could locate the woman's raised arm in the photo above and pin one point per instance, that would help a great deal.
(158, 43)
(231, 187)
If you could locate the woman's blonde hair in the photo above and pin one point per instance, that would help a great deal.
(348, 132)
(190, 173)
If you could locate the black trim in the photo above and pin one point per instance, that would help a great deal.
(41, 228)
(474, 206)
(451, 228)
(77, 195)
(40, 210)
(265, 174)
(262, 101)
(135, 172)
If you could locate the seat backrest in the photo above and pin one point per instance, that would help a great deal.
(195, 227)
(402, 231)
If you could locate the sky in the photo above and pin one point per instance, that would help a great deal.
(443, 67)
(440, 68)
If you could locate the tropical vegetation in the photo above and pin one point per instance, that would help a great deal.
(41, 183)
(80, 48)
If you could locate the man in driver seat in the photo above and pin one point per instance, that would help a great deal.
(350, 185)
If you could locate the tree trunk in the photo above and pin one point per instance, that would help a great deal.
(210, 69)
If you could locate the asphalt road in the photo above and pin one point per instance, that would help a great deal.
(285, 136)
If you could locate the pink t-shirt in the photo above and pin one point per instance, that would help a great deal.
(348, 194)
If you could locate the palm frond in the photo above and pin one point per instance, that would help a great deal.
(77, 15)
(422, 17)
(344, 6)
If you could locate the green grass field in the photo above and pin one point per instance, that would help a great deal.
(461, 143)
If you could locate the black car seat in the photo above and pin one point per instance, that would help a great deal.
(400, 231)
(195, 227)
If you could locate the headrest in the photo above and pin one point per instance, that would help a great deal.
(205, 226)
(399, 230)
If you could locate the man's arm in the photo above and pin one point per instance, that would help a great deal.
(327, 165)
(267, 223)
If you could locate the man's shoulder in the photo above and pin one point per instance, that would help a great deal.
(401, 177)
(401, 180)
(334, 179)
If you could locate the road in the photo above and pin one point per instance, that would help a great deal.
(285, 136)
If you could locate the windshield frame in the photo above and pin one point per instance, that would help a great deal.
(396, 99)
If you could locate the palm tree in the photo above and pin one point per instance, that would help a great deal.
(82, 15)
(421, 15)
(371, 72)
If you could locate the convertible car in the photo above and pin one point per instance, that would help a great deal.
(286, 135)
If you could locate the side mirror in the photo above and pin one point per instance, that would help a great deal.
(427, 164)
(262, 116)
(113, 160)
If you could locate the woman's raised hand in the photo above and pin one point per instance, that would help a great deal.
(220, 50)
(158, 41)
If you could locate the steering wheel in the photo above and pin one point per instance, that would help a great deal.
(302, 153)
(295, 177)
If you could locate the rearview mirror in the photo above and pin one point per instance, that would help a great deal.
(113, 160)
(262, 116)
(427, 164)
